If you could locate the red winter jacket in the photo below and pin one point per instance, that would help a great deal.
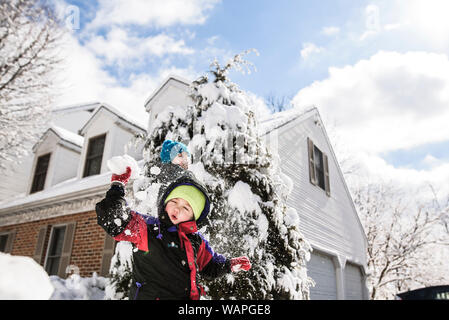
(167, 257)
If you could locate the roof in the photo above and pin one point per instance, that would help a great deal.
(172, 77)
(71, 189)
(63, 134)
(89, 106)
(65, 188)
(67, 135)
(280, 119)
(138, 123)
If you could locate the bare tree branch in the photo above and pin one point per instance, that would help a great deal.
(30, 35)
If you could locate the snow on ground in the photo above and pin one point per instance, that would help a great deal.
(78, 288)
(22, 278)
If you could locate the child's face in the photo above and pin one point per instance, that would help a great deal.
(182, 159)
(179, 210)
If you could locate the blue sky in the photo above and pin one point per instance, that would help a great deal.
(378, 71)
(276, 29)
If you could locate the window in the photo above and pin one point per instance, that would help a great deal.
(94, 156)
(55, 250)
(318, 167)
(40, 173)
(3, 241)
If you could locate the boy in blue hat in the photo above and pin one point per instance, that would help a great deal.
(176, 153)
(170, 249)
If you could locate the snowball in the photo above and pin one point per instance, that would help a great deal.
(118, 165)
(155, 170)
(22, 278)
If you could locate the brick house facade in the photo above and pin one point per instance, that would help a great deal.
(88, 248)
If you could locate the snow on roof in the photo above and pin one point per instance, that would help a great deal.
(280, 119)
(89, 106)
(140, 123)
(68, 136)
(69, 187)
(72, 187)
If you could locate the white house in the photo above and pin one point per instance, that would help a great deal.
(328, 218)
(68, 175)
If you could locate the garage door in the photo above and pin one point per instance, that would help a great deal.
(353, 282)
(321, 269)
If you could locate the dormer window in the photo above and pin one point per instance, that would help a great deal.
(40, 173)
(94, 156)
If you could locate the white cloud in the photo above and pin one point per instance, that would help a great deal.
(416, 183)
(391, 101)
(393, 26)
(431, 161)
(428, 19)
(154, 13)
(85, 81)
(330, 31)
(121, 47)
(309, 49)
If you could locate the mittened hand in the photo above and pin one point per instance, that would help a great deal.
(123, 178)
(240, 263)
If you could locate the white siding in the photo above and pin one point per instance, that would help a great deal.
(172, 94)
(122, 138)
(327, 222)
(66, 166)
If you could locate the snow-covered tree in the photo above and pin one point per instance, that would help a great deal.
(408, 242)
(248, 191)
(29, 34)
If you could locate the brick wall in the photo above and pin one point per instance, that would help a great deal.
(88, 242)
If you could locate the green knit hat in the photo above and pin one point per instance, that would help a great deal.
(192, 195)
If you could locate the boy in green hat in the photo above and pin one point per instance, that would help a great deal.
(170, 250)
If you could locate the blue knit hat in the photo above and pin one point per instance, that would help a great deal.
(170, 149)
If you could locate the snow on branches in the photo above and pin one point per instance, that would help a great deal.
(29, 35)
(247, 189)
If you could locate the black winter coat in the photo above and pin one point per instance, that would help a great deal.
(167, 257)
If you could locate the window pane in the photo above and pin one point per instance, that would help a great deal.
(55, 250)
(97, 146)
(319, 167)
(40, 173)
(52, 266)
(3, 240)
(95, 166)
(94, 156)
(57, 241)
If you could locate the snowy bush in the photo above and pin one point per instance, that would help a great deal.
(78, 288)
